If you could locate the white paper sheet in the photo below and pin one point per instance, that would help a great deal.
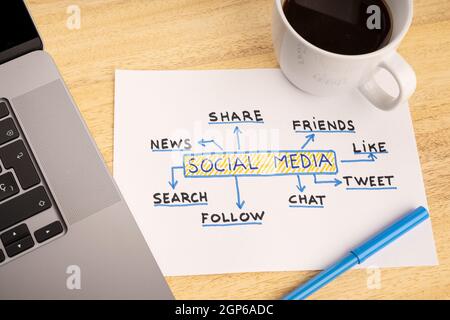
(222, 175)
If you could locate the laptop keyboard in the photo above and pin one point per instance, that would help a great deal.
(23, 194)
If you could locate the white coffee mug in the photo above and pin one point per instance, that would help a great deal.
(324, 73)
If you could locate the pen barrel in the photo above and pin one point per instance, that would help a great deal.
(390, 234)
(323, 278)
(361, 253)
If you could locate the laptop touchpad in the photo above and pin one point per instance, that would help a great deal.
(73, 168)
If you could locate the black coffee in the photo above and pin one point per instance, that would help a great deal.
(341, 26)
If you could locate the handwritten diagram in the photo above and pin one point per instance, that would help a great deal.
(304, 165)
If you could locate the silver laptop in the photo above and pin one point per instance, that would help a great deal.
(65, 230)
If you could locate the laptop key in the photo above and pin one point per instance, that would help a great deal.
(3, 109)
(47, 232)
(8, 186)
(2, 256)
(19, 246)
(8, 131)
(15, 234)
(23, 207)
(15, 156)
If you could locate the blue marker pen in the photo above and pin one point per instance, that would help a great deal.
(360, 254)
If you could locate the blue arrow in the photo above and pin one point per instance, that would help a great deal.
(173, 183)
(237, 131)
(239, 204)
(204, 142)
(299, 186)
(309, 138)
(336, 182)
(370, 158)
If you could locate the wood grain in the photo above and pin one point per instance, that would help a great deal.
(222, 34)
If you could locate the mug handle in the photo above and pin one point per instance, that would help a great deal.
(403, 74)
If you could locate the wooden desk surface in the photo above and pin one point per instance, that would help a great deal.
(222, 34)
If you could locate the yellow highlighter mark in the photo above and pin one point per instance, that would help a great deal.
(260, 163)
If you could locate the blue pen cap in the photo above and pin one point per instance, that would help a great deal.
(390, 234)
